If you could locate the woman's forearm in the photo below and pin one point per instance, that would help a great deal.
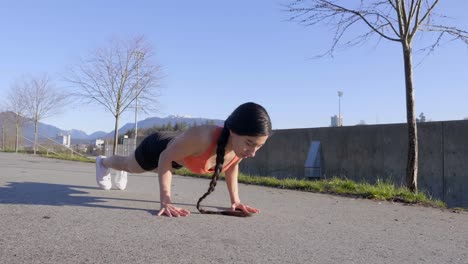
(233, 192)
(165, 179)
(231, 181)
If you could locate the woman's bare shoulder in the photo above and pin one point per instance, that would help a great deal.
(200, 137)
(202, 134)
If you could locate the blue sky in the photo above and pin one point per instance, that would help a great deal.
(219, 54)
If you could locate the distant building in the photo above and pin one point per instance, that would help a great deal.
(335, 121)
(64, 139)
(128, 145)
(126, 141)
(99, 143)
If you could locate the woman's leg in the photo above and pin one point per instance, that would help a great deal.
(123, 163)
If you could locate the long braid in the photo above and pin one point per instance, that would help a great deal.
(220, 149)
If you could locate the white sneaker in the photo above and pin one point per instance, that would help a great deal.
(103, 178)
(120, 180)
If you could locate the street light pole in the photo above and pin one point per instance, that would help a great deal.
(3, 138)
(139, 55)
(340, 122)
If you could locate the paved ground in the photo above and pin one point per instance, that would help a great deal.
(51, 212)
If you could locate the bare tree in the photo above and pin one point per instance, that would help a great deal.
(394, 20)
(41, 100)
(118, 77)
(15, 103)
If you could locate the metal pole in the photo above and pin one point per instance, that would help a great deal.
(340, 94)
(339, 107)
(139, 55)
(17, 139)
(3, 138)
(136, 105)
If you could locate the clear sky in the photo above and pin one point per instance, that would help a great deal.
(219, 54)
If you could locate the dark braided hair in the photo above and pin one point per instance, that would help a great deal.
(249, 119)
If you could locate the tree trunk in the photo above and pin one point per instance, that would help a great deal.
(412, 163)
(35, 136)
(116, 135)
(17, 141)
(3, 138)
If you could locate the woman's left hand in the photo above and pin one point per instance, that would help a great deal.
(244, 208)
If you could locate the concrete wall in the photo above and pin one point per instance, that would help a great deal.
(371, 152)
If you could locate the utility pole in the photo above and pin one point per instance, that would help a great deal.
(17, 138)
(3, 138)
(139, 56)
(340, 121)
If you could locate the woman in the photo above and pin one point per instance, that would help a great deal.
(201, 149)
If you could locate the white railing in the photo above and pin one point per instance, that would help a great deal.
(122, 149)
(48, 150)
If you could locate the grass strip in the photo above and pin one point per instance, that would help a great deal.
(382, 190)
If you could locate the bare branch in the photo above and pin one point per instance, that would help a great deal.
(413, 10)
(426, 15)
(362, 15)
(406, 23)
(110, 78)
(393, 5)
(40, 98)
(15, 101)
(342, 18)
(118, 75)
(457, 34)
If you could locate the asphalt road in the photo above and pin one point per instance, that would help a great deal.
(52, 212)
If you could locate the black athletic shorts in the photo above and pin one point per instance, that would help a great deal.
(147, 153)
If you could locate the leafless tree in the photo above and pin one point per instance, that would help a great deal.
(41, 100)
(118, 77)
(393, 20)
(16, 105)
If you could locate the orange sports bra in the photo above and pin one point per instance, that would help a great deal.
(199, 164)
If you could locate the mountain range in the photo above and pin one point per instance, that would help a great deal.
(79, 136)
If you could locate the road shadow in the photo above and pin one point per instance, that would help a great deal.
(36, 193)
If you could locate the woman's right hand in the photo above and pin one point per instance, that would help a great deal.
(172, 211)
